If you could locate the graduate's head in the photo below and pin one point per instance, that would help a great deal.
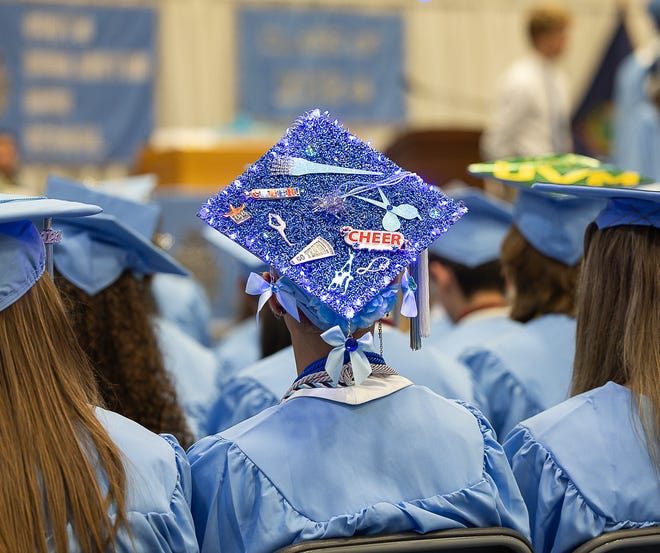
(542, 250)
(547, 28)
(465, 262)
(618, 298)
(102, 269)
(338, 222)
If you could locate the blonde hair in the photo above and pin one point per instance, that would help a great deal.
(543, 285)
(619, 320)
(52, 442)
(547, 19)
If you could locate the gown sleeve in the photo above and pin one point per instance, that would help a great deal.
(504, 399)
(509, 503)
(241, 398)
(169, 531)
(560, 517)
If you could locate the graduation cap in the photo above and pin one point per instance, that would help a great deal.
(337, 220)
(476, 238)
(554, 224)
(23, 256)
(625, 206)
(98, 249)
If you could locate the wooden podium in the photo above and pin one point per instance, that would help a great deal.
(212, 167)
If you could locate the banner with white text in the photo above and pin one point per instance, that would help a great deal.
(350, 64)
(76, 82)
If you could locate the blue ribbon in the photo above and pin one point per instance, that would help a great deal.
(356, 348)
(257, 286)
(408, 287)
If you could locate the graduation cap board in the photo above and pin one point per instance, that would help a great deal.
(554, 224)
(476, 238)
(331, 214)
(625, 206)
(98, 249)
(522, 172)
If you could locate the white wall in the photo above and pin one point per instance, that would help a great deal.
(454, 51)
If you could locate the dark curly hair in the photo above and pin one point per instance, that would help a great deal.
(115, 330)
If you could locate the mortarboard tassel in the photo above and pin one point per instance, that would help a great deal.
(420, 326)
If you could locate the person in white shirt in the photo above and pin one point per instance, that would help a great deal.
(531, 114)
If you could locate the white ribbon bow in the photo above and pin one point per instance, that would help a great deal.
(356, 348)
(257, 285)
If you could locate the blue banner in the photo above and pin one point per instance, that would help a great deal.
(76, 82)
(348, 63)
(592, 122)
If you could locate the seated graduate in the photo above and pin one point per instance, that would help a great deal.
(262, 384)
(102, 272)
(591, 464)
(465, 268)
(75, 477)
(528, 369)
(353, 448)
(180, 299)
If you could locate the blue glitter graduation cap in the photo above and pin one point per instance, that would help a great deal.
(625, 206)
(477, 237)
(330, 213)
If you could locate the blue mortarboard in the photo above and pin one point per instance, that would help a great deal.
(98, 249)
(136, 215)
(336, 219)
(554, 224)
(476, 238)
(22, 251)
(248, 261)
(137, 188)
(625, 206)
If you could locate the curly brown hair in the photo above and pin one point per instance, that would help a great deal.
(114, 328)
(542, 284)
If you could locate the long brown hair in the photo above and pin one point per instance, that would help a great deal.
(52, 442)
(114, 328)
(619, 319)
(542, 285)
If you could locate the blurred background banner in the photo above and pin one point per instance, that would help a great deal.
(350, 63)
(77, 80)
(592, 122)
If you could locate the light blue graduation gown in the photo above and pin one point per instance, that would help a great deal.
(525, 371)
(636, 122)
(429, 367)
(474, 330)
(381, 457)
(584, 469)
(194, 369)
(239, 348)
(440, 323)
(158, 489)
(252, 389)
(182, 300)
(262, 385)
